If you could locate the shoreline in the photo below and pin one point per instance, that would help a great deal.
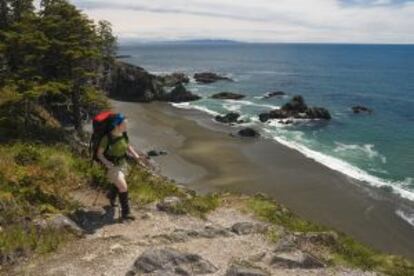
(203, 156)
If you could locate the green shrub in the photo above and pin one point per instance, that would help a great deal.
(27, 155)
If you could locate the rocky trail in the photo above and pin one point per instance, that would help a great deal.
(227, 242)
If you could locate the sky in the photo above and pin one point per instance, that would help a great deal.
(313, 21)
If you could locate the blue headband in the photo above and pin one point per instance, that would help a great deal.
(118, 119)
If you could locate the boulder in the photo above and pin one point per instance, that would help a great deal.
(246, 228)
(167, 261)
(245, 270)
(361, 109)
(208, 77)
(286, 243)
(317, 238)
(296, 259)
(60, 222)
(248, 132)
(173, 79)
(274, 94)
(228, 96)
(228, 118)
(170, 205)
(180, 94)
(296, 108)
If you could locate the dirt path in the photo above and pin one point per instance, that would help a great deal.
(227, 237)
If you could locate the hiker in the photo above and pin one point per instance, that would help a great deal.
(112, 151)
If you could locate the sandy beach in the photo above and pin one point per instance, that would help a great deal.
(204, 156)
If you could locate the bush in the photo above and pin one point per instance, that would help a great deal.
(27, 155)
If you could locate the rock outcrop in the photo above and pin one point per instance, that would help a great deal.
(173, 79)
(180, 94)
(229, 118)
(133, 83)
(208, 77)
(228, 96)
(297, 109)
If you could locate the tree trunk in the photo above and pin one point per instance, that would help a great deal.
(76, 108)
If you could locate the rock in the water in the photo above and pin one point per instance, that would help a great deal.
(208, 77)
(274, 94)
(296, 259)
(296, 108)
(228, 96)
(228, 118)
(154, 153)
(180, 94)
(166, 261)
(173, 79)
(170, 205)
(245, 228)
(243, 270)
(361, 109)
(248, 132)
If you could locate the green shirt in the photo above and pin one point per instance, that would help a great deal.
(117, 149)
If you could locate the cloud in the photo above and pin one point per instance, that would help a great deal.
(348, 21)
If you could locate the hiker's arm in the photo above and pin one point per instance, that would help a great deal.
(101, 157)
(141, 158)
(135, 154)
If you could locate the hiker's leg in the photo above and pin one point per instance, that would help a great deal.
(117, 177)
(121, 182)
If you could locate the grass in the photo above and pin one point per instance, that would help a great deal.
(344, 251)
(35, 180)
(145, 188)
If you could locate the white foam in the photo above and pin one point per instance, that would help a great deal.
(232, 107)
(249, 103)
(187, 105)
(366, 149)
(344, 167)
(408, 217)
(326, 160)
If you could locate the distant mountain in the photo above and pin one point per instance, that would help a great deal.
(203, 41)
(191, 42)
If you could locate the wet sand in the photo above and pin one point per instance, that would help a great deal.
(204, 156)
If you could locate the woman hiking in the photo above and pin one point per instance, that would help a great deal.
(112, 152)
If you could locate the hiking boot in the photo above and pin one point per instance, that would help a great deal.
(128, 217)
(125, 210)
(111, 195)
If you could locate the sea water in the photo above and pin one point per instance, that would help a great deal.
(376, 148)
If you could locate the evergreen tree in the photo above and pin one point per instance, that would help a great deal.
(74, 52)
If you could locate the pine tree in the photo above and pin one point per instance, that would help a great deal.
(74, 52)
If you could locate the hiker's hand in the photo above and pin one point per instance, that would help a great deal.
(109, 165)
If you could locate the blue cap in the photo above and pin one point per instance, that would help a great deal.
(118, 119)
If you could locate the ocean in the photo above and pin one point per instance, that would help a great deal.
(376, 148)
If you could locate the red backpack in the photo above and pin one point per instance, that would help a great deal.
(101, 126)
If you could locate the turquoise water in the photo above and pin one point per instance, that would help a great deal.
(377, 148)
